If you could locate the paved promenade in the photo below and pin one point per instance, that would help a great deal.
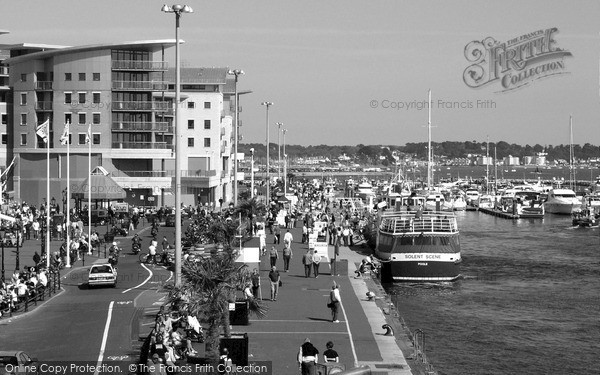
(300, 312)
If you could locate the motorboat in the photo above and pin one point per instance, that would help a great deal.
(562, 201)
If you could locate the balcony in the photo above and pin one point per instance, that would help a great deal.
(139, 86)
(43, 85)
(142, 127)
(139, 65)
(141, 145)
(133, 106)
(3, 71)
(43, 106)
(165, 173)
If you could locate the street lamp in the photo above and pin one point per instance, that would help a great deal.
(252, 173)
(178, 10)
(2, 244)
(268, 104)
(279, 125)
(236, 73)
(17, 236)
(284, 165)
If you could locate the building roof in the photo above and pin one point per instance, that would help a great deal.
(4, 32)
(38, 46)
(152, 45)
(206, 76)
(229, 87)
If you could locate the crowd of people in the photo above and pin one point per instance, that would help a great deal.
(22, 286)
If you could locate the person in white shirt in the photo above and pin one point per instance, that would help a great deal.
(288, 238)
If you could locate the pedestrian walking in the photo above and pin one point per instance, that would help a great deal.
(308, 356)
(275, 280)
(288, 238)
(330, 355)
(262, 239)
(316, 259)
(273, 256)
(287, 256)
(307, 261)
(255, 278)
(334, 302)
(277, 233)
(304, 233)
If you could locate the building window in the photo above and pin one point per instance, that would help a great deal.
(206, 124)
(68, 77)
(23, 77)
(23, 139)
(190, 124)
(81, 97)
(81, 137)
(96, 138)
(96, 98)
(96, 76)
(4, 119)
(190, 142)
(191, 105)
(68, 118)
(23, 118)
(23, 98)
(81, 117)
(96, 118)
(82, 76)
(4, 139)
(206, 142)
(68, 97)
(206, 105)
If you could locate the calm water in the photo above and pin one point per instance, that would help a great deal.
(529, 302)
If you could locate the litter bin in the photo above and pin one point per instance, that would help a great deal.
(239, 316)
(237, 345)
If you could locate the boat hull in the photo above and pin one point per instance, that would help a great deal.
(561, 208)
(422, 267)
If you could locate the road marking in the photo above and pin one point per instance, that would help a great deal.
(104, 338)
(124, 302)
(117, 357)
(145, 281)
(350, 334)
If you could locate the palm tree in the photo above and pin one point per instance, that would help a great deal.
(250, 209)
(208, 286)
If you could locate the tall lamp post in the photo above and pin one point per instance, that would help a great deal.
(2, 244)
(284, 164)
(236, 73)
(268, 104)
(279, 125)
(252, 173)
(178, 10)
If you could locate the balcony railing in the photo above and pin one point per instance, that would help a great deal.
(165, 173)
(142, 127)
(43, 85)
(141, 145)
(139, 65)
(139, 85)
(43, 106)
(140, 106)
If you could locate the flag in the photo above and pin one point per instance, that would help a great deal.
(64, 138)
(88, 136)
(42, 130)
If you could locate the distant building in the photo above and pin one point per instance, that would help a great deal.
(510, 160)
(484, 160)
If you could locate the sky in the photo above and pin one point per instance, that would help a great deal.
(358, 72)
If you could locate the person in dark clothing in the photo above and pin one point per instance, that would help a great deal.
(330, 355)
(308, 356)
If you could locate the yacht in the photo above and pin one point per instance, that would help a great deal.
(562, 201)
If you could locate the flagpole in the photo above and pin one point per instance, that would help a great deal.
(68, 213)
(89, 189)
(48, 198)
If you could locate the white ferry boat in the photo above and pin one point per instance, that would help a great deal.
(419, 246)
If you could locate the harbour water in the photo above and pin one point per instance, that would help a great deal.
(529, 302)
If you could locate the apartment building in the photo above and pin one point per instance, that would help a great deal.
(124, 92)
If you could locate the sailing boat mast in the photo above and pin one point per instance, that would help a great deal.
(495, 170)
(487, 165)
(429, 152)
(571, 170)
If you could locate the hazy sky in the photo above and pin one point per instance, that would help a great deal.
(335, 69)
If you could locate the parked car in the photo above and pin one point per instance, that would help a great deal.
(102, 274)
(17, 362)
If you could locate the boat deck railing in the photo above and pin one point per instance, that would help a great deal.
(413, 222)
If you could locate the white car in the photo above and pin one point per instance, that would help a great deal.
(102, 274)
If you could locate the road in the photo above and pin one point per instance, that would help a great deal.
(92, 325)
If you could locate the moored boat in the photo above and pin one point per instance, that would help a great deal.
(419, 246)
(562, 201)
